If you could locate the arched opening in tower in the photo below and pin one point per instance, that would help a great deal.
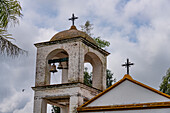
(57, 67)
(96, 76)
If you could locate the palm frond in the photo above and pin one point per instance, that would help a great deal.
(9, 11)
(7, 47)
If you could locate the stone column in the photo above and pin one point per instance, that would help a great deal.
(64, 76)
(76, 64)
(104, 74)
(97, 77)
(40, 105)
(75, 101)
(42, 77)
(64, 109)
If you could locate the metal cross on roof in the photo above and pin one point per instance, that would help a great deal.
(127, 65)
(73, 18)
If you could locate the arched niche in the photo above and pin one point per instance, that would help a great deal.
(97, 71)
(57, 54)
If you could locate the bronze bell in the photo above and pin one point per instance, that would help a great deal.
(60, 66)
(53, 68)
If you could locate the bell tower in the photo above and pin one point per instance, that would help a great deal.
(70, 49)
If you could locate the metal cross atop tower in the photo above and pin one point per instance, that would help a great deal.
(127, 65)
(73, 18)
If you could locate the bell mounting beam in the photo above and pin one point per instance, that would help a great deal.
(57, 60)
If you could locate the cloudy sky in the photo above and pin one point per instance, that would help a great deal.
(137, 29)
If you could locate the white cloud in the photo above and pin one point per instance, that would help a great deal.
(17, 100)
(27, 109)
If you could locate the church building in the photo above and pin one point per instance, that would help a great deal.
(68, 51)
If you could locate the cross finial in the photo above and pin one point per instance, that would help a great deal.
(73, 19)
(127, 65)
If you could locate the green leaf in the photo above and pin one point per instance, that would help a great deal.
(165, 85)
(87, 28)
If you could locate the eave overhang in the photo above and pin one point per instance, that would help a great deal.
(154, 105)
(88, 43)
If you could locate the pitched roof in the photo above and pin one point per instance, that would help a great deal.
(126, 77)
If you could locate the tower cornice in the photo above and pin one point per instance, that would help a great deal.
(88, 43)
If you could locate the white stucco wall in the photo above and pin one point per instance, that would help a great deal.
(128, 93)
(162, 110)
